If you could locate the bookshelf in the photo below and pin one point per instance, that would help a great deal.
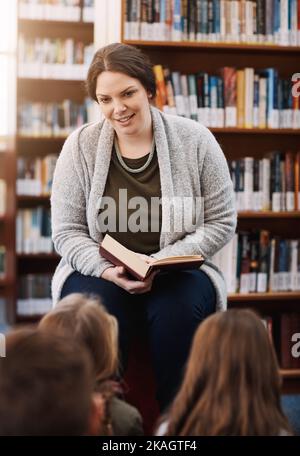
(194, 56)
(46, 86)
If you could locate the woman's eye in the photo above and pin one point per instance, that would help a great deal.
(128, 94)
(103, 100)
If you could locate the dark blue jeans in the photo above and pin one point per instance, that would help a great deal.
(171, 311)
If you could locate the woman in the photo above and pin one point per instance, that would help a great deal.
(134, 158)
(85, 320)
(232, 382)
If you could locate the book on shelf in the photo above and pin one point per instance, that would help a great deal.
(3, 319)
(270, 183)
(224, 21)
(69, 59)
(53, 119)
(2, 197)
(59, 10)
(2, 261)
(34, 294)
(35, 175)
(33, 231)
(119, 255)
(237, 98)
(258, 262)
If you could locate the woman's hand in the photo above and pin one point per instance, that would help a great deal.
(118, 276)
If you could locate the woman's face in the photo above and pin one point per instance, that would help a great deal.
(124, 102)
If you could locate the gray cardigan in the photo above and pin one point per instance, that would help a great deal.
(191, 163)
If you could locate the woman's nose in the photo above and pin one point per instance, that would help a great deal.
(119, 107)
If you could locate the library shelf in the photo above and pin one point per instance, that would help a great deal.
(290, 373)
(28, 318)
(62, 29)
(38, 256)
(50, 90)
(28, 199)
(256, 131)
(41, 146)
(3, 283)
(239, 47)
(268, 296)
(268, 214)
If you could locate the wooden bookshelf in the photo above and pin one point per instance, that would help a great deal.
(256, 131)
(24, 200)
(39, 146)
(234, 47)
(270, 296)
(38, 256)
(50, 90)
(290, 373)
(3, 283)
(37, 90)
(192, 57)
(268, 214)
(31, 319)
(83, 31)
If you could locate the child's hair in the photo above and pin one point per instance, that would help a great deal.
(46, 385)
(85, 319)
(232, 382)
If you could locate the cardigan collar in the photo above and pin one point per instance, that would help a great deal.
(102, 163)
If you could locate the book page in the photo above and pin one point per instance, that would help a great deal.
(179, 259)
(126, 256)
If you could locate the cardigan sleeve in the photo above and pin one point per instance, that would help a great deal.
(219, 213)
(70, 233)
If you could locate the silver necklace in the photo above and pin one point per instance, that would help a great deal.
(134, 170)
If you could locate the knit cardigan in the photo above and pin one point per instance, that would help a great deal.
(191, 163)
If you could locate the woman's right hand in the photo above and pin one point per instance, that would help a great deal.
(118, 276)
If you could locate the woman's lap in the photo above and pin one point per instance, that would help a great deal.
(172, 310)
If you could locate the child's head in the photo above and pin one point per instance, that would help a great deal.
(232, 382)
(46, 386)
(85, 319)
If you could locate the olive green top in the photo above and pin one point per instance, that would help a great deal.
(136, 223)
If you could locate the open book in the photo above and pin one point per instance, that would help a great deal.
(119, 255)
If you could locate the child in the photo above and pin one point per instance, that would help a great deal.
(232, 383)
(46, 387)
(84, 319)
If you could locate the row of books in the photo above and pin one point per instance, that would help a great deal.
(3, 318)
(49, 58)
(33, 231)
(34, 296)
(53, 119)
(229, 21)
(242, 98)
(259, 262)
(2, 261)
(35, 175)
(270, 183)
(57, 10)
(2, 197)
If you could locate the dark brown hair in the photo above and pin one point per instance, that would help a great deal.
(84, 319)
(46, 385)
(232, 382)
(121, 58)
